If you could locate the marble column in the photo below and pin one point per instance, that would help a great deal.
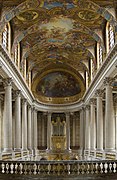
(115, 101)
(92, 125)
(49, 132)
(109, 116)
(35, 129)
(7, 121)
(32, 126)
(0, 125)
(29, 128)
(74, 129)
(100, 122)
(24, 125)
(68, 131)
(87, 128)
(81, 128)
(43, 131)
(18, 121)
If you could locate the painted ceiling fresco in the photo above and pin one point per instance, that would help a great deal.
(55, 33)
(58, 84)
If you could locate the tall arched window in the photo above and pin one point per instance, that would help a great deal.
(99, 55)
(86, 80)
(6, 37)
(110, 36)
(17, 55)
(93, 69)
(29, 78)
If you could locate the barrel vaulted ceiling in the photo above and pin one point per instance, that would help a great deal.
(57, 38)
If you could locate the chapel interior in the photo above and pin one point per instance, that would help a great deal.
(58, 81)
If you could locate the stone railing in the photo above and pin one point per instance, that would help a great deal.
(66, 168)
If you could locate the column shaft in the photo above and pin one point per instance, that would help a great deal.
(74, 130)
(81, 129)
(35, 129)
(43, 131)
(7, 121)
(116, 121)
(68, 131)
(24, 125)
(49, 131)
(0, 125)
(18, 121)
(109, 117)
(99, 120)
(93, 126)
(29, 128)
(87, 128)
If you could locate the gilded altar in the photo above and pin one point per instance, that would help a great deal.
(58, 143)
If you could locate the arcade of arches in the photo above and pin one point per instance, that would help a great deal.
(58, 78)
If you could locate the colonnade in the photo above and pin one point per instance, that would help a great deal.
(98, 121)
(25, 120)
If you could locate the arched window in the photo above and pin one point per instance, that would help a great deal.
(86, 80)
(6, 37)
(110, 36)
(92, 68)
(99, 55)
(29, 78)
(17, 55)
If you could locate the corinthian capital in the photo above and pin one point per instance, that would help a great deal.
(99, 93)
(18, 93)
(24, 101)
(108, 81)
(87, 107)
(8, 82)
(92, 101)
